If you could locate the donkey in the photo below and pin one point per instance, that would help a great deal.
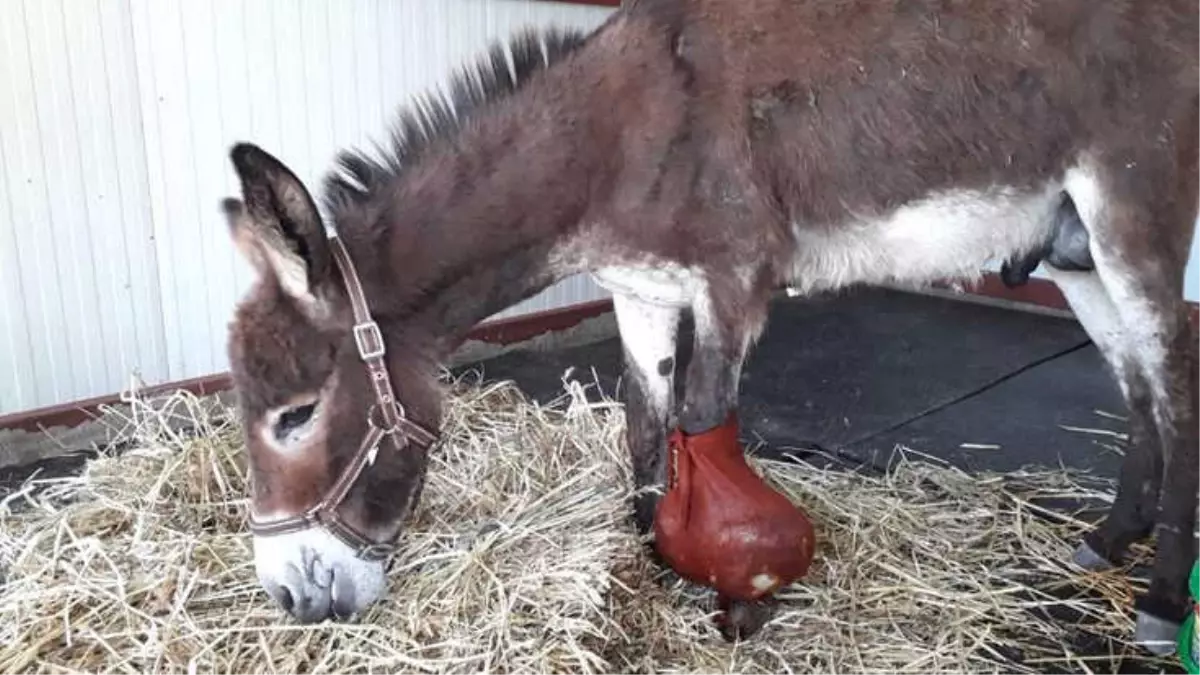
(697, 155)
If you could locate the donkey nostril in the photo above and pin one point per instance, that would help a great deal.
(342, 598)
(284, 597)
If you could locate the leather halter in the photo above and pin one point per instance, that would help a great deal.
(385, 419)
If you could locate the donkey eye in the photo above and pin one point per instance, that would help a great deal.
(296, 417)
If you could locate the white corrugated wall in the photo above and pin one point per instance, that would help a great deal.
(115, 121)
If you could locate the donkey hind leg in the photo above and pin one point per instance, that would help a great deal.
(1159, 345)
(648, 335)
(1132, 514)
(1155, 321)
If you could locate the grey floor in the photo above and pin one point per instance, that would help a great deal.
(984, 387)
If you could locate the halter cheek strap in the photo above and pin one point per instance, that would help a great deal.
(386, 418)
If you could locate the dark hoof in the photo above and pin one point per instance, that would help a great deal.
(656, 557)
(1156, 635)
(662, 573)
(645, 506)
(1086, 557)
(740, 620)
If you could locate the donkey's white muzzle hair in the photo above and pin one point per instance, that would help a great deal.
(313, 576)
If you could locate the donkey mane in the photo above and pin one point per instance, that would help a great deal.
(439, 116)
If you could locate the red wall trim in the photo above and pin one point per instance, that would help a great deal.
(1039, 292)
(502, 331)
(77, 412)
(526, 326)
(602, 3)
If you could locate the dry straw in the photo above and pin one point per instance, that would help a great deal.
(521, 560)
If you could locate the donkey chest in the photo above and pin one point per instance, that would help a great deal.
(952, 235)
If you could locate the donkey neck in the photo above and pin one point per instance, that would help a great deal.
(489, 215)
(473, 228)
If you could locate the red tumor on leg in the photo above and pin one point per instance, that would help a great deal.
(720, 525)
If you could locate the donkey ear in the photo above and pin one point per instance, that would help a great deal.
(279, 229)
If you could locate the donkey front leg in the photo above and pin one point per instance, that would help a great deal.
(648, 336)
(713, 372)
(710, 397)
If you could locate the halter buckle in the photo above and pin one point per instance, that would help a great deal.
(369, 340)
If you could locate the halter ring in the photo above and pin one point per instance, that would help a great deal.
(376, 410)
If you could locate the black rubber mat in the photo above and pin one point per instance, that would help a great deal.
(873, 369)
(1061, 412)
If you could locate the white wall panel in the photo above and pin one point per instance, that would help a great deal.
(116, 117)
(79, 302)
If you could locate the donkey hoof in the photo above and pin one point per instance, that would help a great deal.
(1158, 636)
(740, 620)
(1086, 557)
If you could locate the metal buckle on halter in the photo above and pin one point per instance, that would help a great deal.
(369, 331)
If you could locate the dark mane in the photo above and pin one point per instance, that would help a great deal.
(438, 116)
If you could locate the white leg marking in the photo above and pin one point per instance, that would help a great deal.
(1143, 329)
(648, 332)
(658, 282)
(709, 333)
(1097, 314)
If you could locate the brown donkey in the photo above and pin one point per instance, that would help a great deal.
(695, 155)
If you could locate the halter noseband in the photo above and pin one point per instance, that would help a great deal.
(385, 418)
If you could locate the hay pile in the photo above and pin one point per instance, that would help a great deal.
(520, 559)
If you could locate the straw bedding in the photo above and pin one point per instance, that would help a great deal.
(521, 559)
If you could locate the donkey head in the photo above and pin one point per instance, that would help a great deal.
(305, 396)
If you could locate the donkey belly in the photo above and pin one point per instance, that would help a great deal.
(948, 236)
